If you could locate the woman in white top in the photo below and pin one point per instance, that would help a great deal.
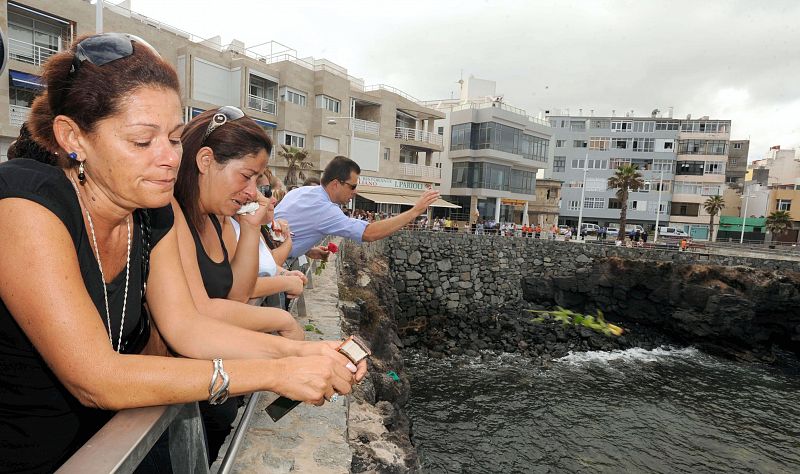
(272, 278)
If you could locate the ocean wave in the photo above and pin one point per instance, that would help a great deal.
(635, 354)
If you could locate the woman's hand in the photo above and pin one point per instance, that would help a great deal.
(298, 274)
(293, 285)
(329, 349)
(312, 379)
(259, 216)
(283, 225)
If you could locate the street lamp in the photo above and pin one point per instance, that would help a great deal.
(658, 208)
(583, 184)
(744, 217)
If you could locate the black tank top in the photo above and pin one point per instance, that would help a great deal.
(217, 277)
(41, 423)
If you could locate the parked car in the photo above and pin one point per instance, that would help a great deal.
(562, 229)
(614, 231)
(589, 228)
(672, 232)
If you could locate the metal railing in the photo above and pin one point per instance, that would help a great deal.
(365, 126)
(413, 134)
(487, 103)
(422, 171)
(262, 104)
(17, 114)
(29, 53)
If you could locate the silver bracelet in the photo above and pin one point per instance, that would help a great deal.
(220, 395)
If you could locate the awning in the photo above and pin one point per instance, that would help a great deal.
(265, 123)
(387, 198)
(24, 80)
(443, 203)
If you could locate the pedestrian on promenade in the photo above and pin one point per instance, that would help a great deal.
(92, 233)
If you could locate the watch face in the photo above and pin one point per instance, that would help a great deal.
(355, 349)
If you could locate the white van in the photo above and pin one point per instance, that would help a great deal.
(589, 228)
(671, 232)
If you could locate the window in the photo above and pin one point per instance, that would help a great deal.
(579, 144)
(732, 161)
(667, 125)
(559, 162)
(408, 155)
(665, 165)
(621, 143)
(710, 190)
(645, 127)
(294, 139)
(577, 125)
(643, 144)
(614, 203)
(594, 203)
(387, 154)
(737, 146)
(669, 145)
(617, 162)
(34, 37)
(596, 164)
(598, 143)
(560, 143)
(574, 205)
(262, 94)
(21, 97)
(577, 164)
(714, 167)
(621, 126)
(295, 97)
(702, 147)
(599, 123)
(694, 168)
(784, 205)
(326, 144)
(496, 136)
(640, 206)
(440, 131)
(328, 103)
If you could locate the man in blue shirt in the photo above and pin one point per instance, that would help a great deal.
(313, 211)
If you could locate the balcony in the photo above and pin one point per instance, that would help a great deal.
(261, 104)
(18, 114)
(29, 53)
(412, 134)
(421, 171)
(365, 126)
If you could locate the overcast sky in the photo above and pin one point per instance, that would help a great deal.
(737, 60)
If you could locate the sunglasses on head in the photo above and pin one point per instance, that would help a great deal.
(106, 47)
(351, 186)
(222, 116)
(265, 190)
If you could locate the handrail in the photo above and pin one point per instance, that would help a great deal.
(229, 460)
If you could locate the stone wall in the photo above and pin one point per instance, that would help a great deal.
(739, 302)
(452, 273)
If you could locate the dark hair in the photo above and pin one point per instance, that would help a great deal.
(26, 147)
(92, 93)
(339, 169)
(233, 140)
(311, 181)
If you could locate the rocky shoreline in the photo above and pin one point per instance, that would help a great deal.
(723, 312)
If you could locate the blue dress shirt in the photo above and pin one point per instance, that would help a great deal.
(312, 215)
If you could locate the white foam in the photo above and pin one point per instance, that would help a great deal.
(636, 354)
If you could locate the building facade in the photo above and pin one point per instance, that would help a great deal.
(300, 102)
(682, 163)
(493, 152)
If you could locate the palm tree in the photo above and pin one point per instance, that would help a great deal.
(627, 177)
(779, 222)
(713, 205)
(295, 161)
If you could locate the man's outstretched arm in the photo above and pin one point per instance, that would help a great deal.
(386, 227)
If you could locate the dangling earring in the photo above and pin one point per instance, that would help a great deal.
(81, 174)
(73, 155)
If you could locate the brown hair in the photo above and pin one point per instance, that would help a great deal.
(339, 169)
(92, 93)
(233, 140)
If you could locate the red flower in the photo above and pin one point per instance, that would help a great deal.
(332, 248)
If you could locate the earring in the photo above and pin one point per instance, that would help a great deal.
(73, 155)
(81, 174)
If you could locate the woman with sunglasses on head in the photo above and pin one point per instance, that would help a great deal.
(87, 241)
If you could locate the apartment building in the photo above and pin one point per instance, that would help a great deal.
(302, 102)
(682, 163)
(493, 152)
(773, 184)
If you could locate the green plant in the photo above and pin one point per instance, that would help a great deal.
(779, 222)
(568, 317)
(312, 328)
(713, 205)
(295, 161)
(627, 178)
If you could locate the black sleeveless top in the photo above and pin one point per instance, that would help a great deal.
(41, 423)
(217, 277)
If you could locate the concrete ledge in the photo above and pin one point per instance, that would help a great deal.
(309, 439)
